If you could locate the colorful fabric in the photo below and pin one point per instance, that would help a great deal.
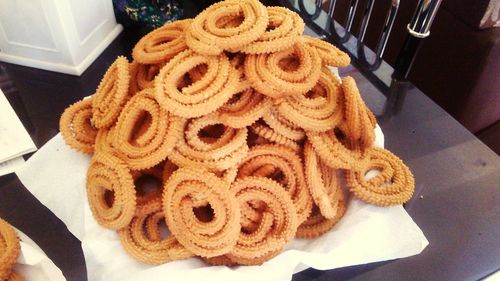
(153, 13)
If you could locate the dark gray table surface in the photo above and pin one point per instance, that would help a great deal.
(456, 202)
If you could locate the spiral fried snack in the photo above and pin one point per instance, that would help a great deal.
(149, 186)
(214, 150)
(322, 182)
(333, 152)
(392, 186)
(219, 27)
(204, 96)
(145, 244)
(111, 94)
(76, 127)
(269, 78)
(244, 108)
(231, 129)
(330, 55)
(267, 133)
(145, 132)
(162, 44)
(145, 74)
(108, 176)
(277, 225)
(282, 126)
(316, 224)
(189, 189)
(318, 110)
(290, 165)
(9, 249)
(283, 30)
(358, 118)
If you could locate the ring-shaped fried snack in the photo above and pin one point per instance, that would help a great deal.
(282, 126)
(207, 37)
(357, 116)
(323, 183)
(109, 175)
(277, 82)
(272, 136)
(332, 151)
(216, 87)
(313, 112)
(330, 55)
(137, 241)
(145, 132)
(244, 108)
(296, 186)
(276, 227)
(316, 224)
(162, 44)
(188, 189)
(149, 187)
(145, 75)
(394, 184)
(9, 249)
(283, 30)
(111, 94)
(76, 126)
(215, 153)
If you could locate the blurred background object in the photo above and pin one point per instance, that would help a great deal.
(151, 13)
(458, 66)
(63, 36)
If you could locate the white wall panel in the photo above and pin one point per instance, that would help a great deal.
(58, 35)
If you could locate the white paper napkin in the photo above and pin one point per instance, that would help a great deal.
(56, 176)
(33, 264)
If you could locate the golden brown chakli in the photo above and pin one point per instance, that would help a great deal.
(226, 137)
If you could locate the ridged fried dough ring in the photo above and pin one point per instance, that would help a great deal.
(104, 140)
(331, 151)
(316, 224)
(330, 55)
(162, 44)
(109, 174)
(205, 37)
(9, 249)
(322, 181)
(111, 94)
(149, 187)
(76, 127)
(215, 154)
(318, 114)
(249, 106)
(276, 227)
(394, 184)
(187, 189)
(145, 75)
(358, 118)
(297, 190)
(204, 96)
(274, 137)
(284, 27)
(145, 132)
(266, 76)
(282, 126)
(144, 248)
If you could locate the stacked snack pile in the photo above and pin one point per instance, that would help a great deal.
(232, 130)
(9, 251)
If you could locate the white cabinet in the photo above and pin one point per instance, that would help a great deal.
(58, 35)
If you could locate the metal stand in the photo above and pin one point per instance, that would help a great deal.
(418, 30)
